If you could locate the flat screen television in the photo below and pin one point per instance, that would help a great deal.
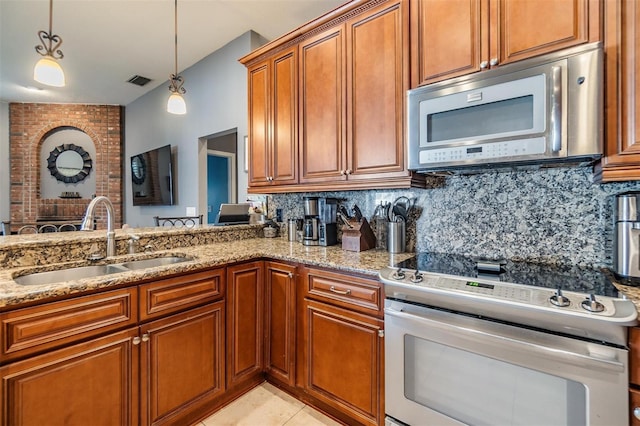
(152, 178)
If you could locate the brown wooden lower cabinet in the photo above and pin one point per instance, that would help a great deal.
(280, 322)
(90, 383)
(182, 365)
(344, 352)
(245, 298)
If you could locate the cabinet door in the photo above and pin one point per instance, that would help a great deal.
(91, 383)
(182, 365)
(280, 321)
(447, 38)
(322, 107)
(521, 29)
(284, 141)
(259, 152)
(344, 353)
(245, 297)
(377, 80)
(621, 159)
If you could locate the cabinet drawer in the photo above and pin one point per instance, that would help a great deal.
(171, 295)
(31, 330)
(348, 291)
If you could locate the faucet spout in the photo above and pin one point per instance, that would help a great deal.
(87, 222)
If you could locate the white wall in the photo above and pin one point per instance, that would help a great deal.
(5, 190)
(216, 101)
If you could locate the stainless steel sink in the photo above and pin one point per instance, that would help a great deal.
(79, 272)
(153, 263)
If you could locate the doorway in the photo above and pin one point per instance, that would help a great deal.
(220, 181)
(219, 172)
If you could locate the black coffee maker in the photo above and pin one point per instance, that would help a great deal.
(320, 226)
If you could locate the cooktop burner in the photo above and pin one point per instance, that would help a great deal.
(566, 278)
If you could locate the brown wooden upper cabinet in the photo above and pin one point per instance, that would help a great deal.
(621, 160)
(273, 123)
(340, 83)
(353, 79)
(450, 38)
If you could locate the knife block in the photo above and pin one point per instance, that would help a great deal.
(358, 236)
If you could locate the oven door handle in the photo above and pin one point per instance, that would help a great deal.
(493, 339)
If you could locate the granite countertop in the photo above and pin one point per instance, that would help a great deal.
(204, 256)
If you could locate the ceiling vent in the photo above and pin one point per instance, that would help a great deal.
(139, 80)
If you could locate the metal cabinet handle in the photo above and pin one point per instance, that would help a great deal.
(136, 340)
(493, 62)
(343, 292)
(290, 274)
(348, 172)
(636, 412)
(342, 172)
(380, 333)
(484, 65)
(556, 109)
(145, 337)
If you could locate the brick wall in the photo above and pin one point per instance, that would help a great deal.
(29, 125)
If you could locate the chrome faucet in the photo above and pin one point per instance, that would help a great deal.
(87, 222)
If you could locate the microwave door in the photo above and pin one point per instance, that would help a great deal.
(504, 110)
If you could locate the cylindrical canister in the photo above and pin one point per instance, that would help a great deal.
(292, 229)
(396, 239)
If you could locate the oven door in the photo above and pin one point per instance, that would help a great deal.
(448, 369)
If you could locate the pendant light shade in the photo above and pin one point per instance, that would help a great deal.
(47, 70)
(176, 103)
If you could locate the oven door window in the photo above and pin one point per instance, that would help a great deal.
(482, 391)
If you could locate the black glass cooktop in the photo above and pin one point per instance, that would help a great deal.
(566, 277)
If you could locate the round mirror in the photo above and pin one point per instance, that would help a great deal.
(137, 169)
(69, 163)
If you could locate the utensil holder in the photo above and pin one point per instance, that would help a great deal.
(396, 239)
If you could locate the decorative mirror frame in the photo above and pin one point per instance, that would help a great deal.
(87, 163)
(143, 165)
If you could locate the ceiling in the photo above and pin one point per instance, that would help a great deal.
(106, 42)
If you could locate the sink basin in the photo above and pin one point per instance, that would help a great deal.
(153, 263)
(76, 273)
(70, 274)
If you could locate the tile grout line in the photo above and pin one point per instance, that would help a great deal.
(297, 412)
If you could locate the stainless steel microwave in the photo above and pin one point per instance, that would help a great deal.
(542, 110)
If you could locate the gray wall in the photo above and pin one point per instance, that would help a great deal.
(555, 215)
(216, 101)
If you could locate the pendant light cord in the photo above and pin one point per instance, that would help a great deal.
(50, 16)
(176, 35)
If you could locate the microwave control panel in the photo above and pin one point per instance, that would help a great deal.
(519, 149)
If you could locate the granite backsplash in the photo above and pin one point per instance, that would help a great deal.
(556, 215)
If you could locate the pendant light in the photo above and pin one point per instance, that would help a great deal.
(48, 71)
(176, 104)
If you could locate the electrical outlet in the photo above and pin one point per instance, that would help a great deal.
(278, 215)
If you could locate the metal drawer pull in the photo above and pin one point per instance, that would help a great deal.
(344, 292)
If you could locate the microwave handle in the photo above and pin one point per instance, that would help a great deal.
(556, 109)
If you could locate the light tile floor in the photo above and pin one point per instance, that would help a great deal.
(266, 405)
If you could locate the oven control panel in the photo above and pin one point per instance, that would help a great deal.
(519, 293)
